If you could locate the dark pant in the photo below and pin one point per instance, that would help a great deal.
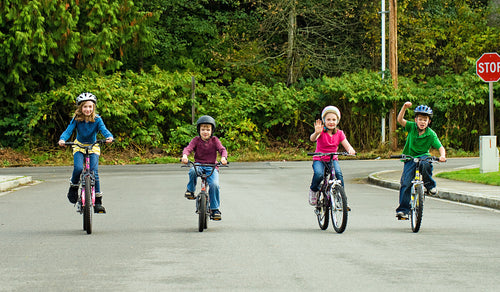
(406, 179)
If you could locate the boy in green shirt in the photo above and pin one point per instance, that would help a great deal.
(418, 143)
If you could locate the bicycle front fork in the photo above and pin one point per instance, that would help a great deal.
(82, 191)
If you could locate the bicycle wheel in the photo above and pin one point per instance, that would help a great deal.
(202, 211)
(322, 209)
(338, 209)
(417, 208)
(87, 209)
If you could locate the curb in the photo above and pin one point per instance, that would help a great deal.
(9, 182)
(477, 199)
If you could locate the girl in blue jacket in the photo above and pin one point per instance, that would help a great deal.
(87, 123)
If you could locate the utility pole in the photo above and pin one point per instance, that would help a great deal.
(393, 67)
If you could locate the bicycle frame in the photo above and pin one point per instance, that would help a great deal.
(330, 179)
(87, 173)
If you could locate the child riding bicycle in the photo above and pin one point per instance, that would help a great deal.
(418, 143)
(87, 124)
(205, 146)
(328, 138)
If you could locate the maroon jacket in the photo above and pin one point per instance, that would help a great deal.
(205, 151)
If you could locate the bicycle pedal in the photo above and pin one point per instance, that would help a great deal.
(402, 217)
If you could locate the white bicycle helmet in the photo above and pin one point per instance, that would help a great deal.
(330, 109)
(85, 97)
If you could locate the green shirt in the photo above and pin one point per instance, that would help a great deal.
(419, 145)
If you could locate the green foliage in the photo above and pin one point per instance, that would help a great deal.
(50, 51)
(44, 42)
(137, 108)
(438, 37)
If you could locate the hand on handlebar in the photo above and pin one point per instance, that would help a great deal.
(62, 143)
(184, 159)
(223, 160)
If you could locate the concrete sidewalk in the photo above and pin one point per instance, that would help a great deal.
(470, 193)
(8, 182)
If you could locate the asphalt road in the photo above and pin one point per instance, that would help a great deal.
(268, 239)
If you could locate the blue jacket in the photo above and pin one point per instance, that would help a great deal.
(86, 132)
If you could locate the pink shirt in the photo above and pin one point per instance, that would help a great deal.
(327, 144)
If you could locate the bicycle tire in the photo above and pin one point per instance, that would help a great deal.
(87, 209)
(417, 208)
(202, 211)
(338, 208)
(322, 210)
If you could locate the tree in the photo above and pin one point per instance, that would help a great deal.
(318, 37)
(44, 42)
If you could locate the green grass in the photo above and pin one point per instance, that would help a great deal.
(472, 175)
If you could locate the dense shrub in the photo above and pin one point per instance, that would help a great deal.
(153, 110)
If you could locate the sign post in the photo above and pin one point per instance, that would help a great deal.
(488, 69)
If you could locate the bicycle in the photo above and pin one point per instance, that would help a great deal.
(417, 190)
(86, 195)
(202, 199)
(332, 199)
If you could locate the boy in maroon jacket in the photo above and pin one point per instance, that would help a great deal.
(205, 147)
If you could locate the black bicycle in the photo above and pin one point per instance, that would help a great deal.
(418, 191)
(86, 195)
(202, 199)
(332, 200)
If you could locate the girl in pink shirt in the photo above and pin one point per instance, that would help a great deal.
(327, 137)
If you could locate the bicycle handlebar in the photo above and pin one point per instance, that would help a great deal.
(201, 174)
(205, 164)
(331, 153)
(99, 141)
(406, 157)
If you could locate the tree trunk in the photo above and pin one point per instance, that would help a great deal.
(292, 30)
(494, 18)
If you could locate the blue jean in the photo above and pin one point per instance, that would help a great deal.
(78, 161)
(213, 184)
(406, 179)
(319, 172)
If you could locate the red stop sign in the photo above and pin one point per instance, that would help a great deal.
(488, 67)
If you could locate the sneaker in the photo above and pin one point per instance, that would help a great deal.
(433, 191)
(189, 195)
(401, 215)
(73, 193)
(98, 207)
(215, 215)
(313, 198)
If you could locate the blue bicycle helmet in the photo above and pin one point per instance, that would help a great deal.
(423, 110)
